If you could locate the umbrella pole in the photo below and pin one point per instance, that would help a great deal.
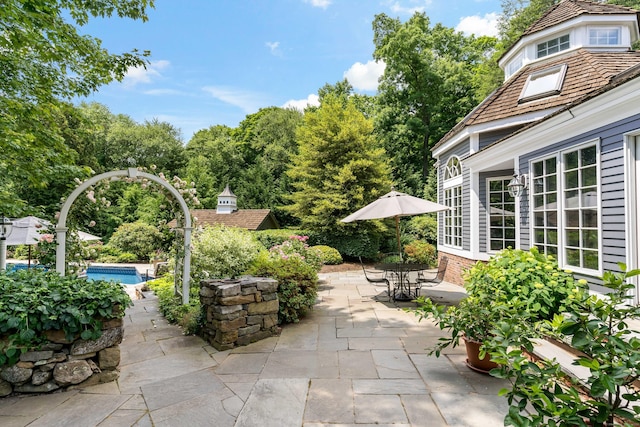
(29, 263)
(398, 236)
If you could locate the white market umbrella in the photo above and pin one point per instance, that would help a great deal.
(87, 237)
(26, 231)
(394, 205)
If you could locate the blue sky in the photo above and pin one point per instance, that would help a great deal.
(215, 61)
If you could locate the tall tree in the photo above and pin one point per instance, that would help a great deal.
(427, 87)
(44, 60)
(339, 168)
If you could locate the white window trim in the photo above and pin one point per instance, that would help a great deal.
(560, 70)
(560, 205)
(550, 39)
(488, 215)
(456, 181)
(600, 27)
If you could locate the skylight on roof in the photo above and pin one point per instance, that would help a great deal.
(543, 83)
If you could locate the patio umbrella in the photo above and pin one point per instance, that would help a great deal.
(395, 204)
(26, 231)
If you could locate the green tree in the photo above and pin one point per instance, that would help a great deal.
(339, 168)
(426, 88)
(45, 60)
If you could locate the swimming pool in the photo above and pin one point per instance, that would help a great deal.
(124, 275)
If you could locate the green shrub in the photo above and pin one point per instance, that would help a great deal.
(297, 283)
(220, 252)
(366, 245)
(188, 317)
(112, 254)
(33, 301)
(328, 255)
(21, 252)
(423, 227)
(138, 238)
(421, 252)
(528, 276)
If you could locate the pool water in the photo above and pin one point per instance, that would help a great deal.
(124, 275)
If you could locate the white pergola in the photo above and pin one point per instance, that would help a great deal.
(61, 227)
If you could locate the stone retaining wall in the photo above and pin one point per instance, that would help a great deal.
(64, 364)
(239, 312)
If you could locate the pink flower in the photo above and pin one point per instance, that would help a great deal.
(47, 238)
(92, 224)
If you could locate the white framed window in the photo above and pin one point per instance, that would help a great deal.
(452, 185)
(553, 46)
(501, 214)
(543, 83)
(515, 65)
(566, 207)
(605, 36)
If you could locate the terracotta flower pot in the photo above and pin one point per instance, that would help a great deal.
(473, 359)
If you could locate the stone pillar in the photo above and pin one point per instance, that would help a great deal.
(239, 312)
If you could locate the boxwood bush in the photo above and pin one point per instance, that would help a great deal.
(34, 301)
(328, 255)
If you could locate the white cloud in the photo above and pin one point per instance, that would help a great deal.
(137, 75)
(163, 92)
(301, 104)
(274, 48)
(249, 102)
(408, 7)
(486, 25)
(319, 3)
(365, 76)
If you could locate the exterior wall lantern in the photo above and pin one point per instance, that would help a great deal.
(517, 185)
(6, 227)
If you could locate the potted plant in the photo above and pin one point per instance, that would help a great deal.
(521, 287)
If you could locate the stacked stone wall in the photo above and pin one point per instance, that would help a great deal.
(65, 364)
(239, 312)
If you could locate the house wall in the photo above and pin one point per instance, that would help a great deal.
(489, 138)
(614, 236)
(462, 151)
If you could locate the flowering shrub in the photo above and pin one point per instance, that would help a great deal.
(220, 252)
(297, 283)
(296, 246)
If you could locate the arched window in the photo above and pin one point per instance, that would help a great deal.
(452, 197)
(453, 168)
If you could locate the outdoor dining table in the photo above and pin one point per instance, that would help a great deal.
(398, 275)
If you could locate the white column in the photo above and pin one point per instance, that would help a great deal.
(3, 254)
(186, 268)
(61, 249)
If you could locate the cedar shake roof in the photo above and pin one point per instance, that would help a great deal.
(251, 219)
(587, 72)
(569, 9)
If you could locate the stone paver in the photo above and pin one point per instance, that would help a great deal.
(356, 360)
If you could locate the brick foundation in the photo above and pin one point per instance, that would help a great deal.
(456, 267)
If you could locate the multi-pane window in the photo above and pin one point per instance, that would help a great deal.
(502, 215)
(515, 65)
(604, 36)
(568, 200)
(545, 205)
(553, 46)
(453, 198)
(453, 217)
(581, 208)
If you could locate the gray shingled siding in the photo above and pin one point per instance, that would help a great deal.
(482, 223)
(488, 138)
(462, 151)
(612, 187)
